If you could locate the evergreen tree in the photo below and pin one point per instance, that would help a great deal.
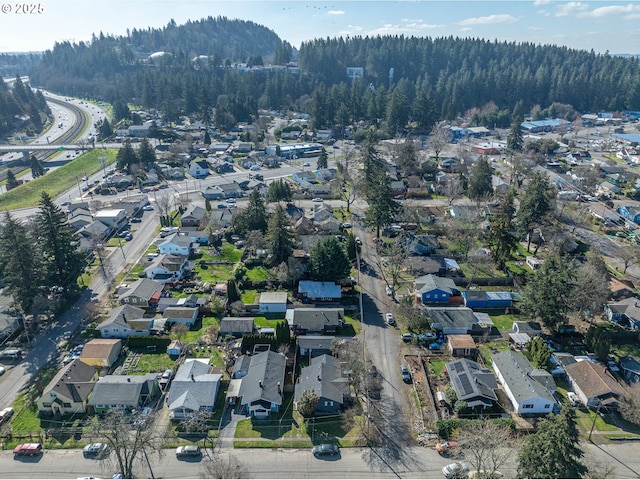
(37, 170)
(500, 240)
(328, 261)
(19, 265)
(480, 185)
(146, 154)
(232, 292)
(279, 190)
(283, 333)
(207, 138)
(352, 247)
(547, 293)
(537, 202)
(515, 142)
(538, 353)
(254, 217)
(553, 451)
(382, 207)
(59, 247)
(126, 157)
(11, 180)
(279, 240)
(323, 160)
(104, 129)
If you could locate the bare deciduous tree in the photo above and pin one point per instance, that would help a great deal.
(224, 466)
(630, 408)
(179, 331)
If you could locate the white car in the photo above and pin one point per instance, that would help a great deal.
(317, 200)
(455, 470)
(389, 291)
(306, 164)
(389, 319)
(230, 200)
(2, 370)
(147, 208)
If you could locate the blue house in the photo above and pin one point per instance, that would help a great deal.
(482, 299)
(630, 213)
(432, 289)
(420, 244)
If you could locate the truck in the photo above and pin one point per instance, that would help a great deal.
(28, 449)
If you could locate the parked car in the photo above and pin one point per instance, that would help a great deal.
(95, 450)
(2, 370)
(444, 447)
(346, 225)
(325, 449)
(407, 337)
(230, 200)
(222, 205)
(306, 164)
(188, 451)
(574, 399)
(389, 291)
(135, 220)
(5, 414)
(455, 470)
(404, 372)
(28, 449)
(389, 319)
(147, 208)
(317, 200)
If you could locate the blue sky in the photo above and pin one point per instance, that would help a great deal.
(599, 25)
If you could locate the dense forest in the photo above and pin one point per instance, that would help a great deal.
(442, 78)
(21, 109)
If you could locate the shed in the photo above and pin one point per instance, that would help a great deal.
(462, 346)
(174, 349)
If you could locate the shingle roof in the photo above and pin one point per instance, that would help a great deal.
(194, 386)
(516, 371)
(427, 283)
(143, 288)
(319, 289)
(315, 318)
(273, 297)
(74, 381)
(324, 377)
(472, 383)
(236, 324)
(123, 315)
(264, 378)
(593, 379)
(99, 348)
(178, 239)
(121, 389)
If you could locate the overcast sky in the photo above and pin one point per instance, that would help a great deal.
(599, 25)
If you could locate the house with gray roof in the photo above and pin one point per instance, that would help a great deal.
(454, 320)
(261, 391)
(193, 389)
(124, 322)
(236, 326)
(314, 345)
(315, 320)
(68, 392)
(324, 377)
(184, 315)
(176, 244)
(273, 302)
(434, 289)
(420, 244)
(188, 301)
(167, 268)
(473, 384)
(193, 216)
(123, 392)
(142, 293)
(529, 390)
(624, 312)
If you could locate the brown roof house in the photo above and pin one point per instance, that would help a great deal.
(594, 385)
(67, 393)
(101, 352)
(462, 346)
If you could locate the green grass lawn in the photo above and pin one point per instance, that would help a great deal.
(258, 274)
(55, 182)
(230, 253)
(193, 335)
(504, 322)
(249, 296)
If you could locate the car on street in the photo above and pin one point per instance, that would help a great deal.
(404, 373)
(306, 164)
(28, 449)
(346, 225)
(124, 233)
(407, 337)
(389, 318)
(222, 205)
(325, 449)
(95, 449)
(128, 237)
(317, 200)
(135, 220)
(188, 451)
(5, 414)
(230, 200)
(163, 186)
(147, 208)
(455, 470)
(2, 370)
(444, 447)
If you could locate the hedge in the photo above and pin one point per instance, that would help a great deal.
(149, 341)
(446, 427)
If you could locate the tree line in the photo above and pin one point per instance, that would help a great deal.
(21, 108)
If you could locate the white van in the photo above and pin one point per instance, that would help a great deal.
(573, 398)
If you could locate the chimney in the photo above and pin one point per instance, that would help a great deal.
(193, 379)
(260, 383)
(279, 389)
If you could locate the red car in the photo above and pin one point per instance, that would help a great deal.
(443, 447)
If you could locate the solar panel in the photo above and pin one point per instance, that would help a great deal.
(466, 384)
(458, 367)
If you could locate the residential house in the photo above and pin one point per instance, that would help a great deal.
(193, 216)
(124, 322)
(319, 291)
(326, 174)
(609, 189)
(314, 345)
(398, 187)
(143, 292)
(273, 302)
(188, 301)
(132, 204)
(324, 378)
(487, 300)
(432, 265)
(321, 321)
(303, 226)
(80, 220)
(123, 392)
(184, 315)
(304, 177)
(420, 244)
(232, 190)
(236, 326)
(114, 219)
(261, 390)
(454, 320)
(68, 392)
(621, 289)
(433, 289)
(472, 383)
(529, 390)
(462, 346)
(101, 352)
(220, 218)
(219, 192)
(173, 173)
(319, 189)
(594, 385)
(176, 244)
(166, 268)
(624, 312)
(630, 368)
(199, 168)
(465, 212)
(630, 212)
(533, 329)
(201, 237)
(193, 390)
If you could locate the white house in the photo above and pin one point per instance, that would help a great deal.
(199, 168)
(194, 389)
(529, 390)
(166, 268)
(271, 302)
(176, 244)
(124, 322)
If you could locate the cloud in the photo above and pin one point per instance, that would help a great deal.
(489, 20)
(408, 27)
(352, 30)
(336, 12)
(570, 8)
(628, 11)
(538, 3)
